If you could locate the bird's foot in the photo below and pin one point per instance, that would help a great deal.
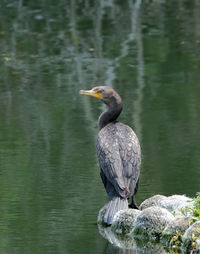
(133, 206)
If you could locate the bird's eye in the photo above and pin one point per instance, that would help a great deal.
(98, 90)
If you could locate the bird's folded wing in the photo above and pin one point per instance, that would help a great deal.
(111, 165)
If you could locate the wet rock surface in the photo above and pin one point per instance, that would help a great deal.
(124, 221)
(151, 222)
(153, 201)
(165, 220)
(191, 238)
(176, 227)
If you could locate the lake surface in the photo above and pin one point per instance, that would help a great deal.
(149, 51)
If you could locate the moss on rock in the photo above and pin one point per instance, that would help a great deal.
(124, 221)
(191, 238)
(152, 201)
(174, 231)
(151, 222)
(176, 204)
(166, 220)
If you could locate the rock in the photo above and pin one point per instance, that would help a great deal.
(177, 204)
(191, 238)
(153, 201)
(151, 222)
(107, 212)
(175, 228)
(124, 221)
(160, 218)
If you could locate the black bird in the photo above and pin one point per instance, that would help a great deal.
(118, 151)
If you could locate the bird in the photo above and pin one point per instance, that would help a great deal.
(119, 154)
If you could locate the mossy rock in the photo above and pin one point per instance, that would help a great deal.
(151, 222)
(176, 204)
(191, 238)
(174, 231)
(152, 201)
(124, 221)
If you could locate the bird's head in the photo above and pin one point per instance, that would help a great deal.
(103, 93)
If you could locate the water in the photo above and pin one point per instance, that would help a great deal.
(149, 51)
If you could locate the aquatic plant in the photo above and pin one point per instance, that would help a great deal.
(194, 210)
(176, 242)
(191, 238)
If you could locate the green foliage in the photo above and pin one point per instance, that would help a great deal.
(194, 212)
(176, 240)
(194, 243)
(196, 209)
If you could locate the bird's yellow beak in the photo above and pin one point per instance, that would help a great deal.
(94, 93)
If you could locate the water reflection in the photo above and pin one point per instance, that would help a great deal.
(127, 244)
(49, 177)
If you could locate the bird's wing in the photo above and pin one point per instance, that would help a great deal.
(131, 157)
(103, 178)
(111, 169)
(109, 147)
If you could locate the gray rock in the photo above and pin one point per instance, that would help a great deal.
(177, 204)
(191, 238)
(177, 227)
(124, 221)
(153, 201)
(151, 222)
(108, 211)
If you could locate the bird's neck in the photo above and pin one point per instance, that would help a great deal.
(112, 113)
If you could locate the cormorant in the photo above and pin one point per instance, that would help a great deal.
(118, 151)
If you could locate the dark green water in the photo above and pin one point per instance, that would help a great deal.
(149, 51)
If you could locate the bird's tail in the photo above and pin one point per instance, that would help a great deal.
(115, 204)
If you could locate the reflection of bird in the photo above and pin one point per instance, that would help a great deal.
(118, 152)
